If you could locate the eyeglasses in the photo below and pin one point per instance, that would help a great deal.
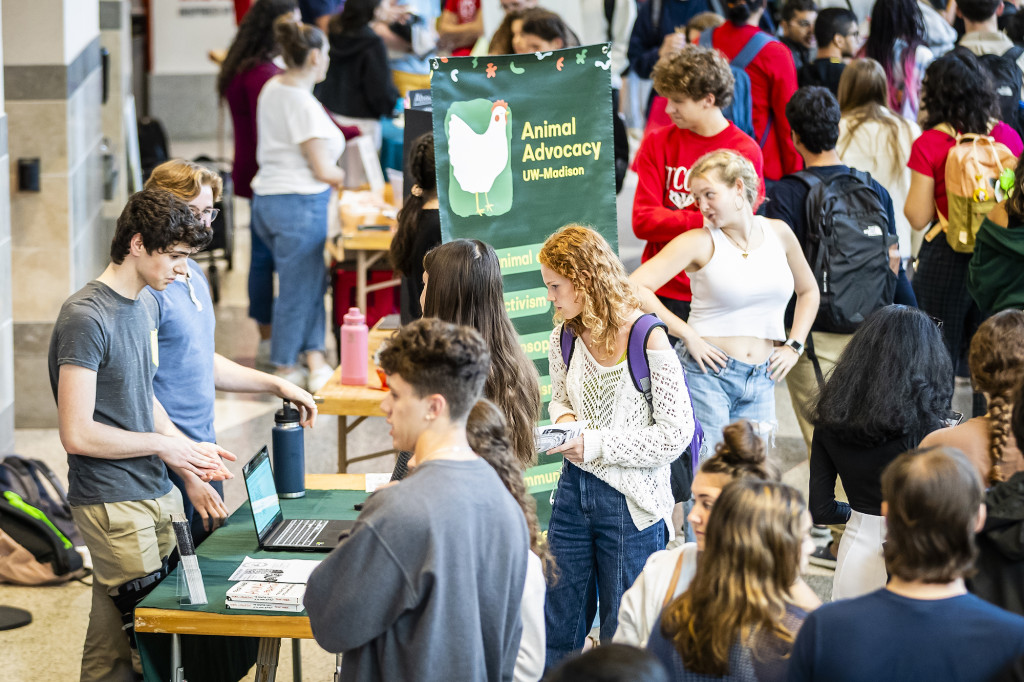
(207, 216)
(937, 321)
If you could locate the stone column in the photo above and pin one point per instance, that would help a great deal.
(53, 83)
(6, 315)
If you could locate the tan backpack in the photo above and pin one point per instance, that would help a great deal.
(974, 166)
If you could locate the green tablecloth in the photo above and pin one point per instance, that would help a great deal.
(229, 658)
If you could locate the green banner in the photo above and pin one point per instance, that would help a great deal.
(523, 145)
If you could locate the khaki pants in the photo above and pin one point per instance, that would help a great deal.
(127, 540)
(803, 391)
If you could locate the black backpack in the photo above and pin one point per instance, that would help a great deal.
(847, 246)
(35, 483)
(1006, 77)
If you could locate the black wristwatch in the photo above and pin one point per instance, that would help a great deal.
(795, 345)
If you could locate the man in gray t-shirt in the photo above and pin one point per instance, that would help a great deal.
(103, 355)
(428, 585)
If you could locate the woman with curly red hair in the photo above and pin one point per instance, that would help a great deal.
(614, 492)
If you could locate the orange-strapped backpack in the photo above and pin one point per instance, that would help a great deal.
(974, 167)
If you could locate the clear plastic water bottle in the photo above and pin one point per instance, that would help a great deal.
(289, 452)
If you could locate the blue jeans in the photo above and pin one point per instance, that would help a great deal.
(294, 227)
(740, 391)
(261, 280)
(599, 553)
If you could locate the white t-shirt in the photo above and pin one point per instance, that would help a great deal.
(287, 116)
(868, 150)
(642, 603)
(532, 645)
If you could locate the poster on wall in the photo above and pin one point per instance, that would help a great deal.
(523, 145)
(209, 25)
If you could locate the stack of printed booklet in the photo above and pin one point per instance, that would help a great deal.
(270, 584)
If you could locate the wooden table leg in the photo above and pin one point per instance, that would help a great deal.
(362, 272)
(266, 659)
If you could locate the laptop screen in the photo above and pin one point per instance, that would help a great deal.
(259, 484)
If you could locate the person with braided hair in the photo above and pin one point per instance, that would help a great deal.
(487, 433)
(996, 360)
(419, 228)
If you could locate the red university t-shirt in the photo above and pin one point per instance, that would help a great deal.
(465, 11)
(663, 207)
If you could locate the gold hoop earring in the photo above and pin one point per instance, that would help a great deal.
(739, 203)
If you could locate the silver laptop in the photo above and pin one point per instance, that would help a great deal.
(275, 533)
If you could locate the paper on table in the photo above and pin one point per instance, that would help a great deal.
(553, 435)
(374, 481)
(275, 570)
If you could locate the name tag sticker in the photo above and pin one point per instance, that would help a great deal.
(154, 347)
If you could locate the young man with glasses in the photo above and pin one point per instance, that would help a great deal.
(796, 30)
(190, 369)
(838, 37)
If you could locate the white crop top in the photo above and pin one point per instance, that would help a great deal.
(737, 296)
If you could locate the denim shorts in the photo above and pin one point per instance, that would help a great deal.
(739, 391)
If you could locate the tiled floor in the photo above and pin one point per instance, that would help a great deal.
(50, 648)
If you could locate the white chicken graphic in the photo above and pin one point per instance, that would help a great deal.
(479, 158)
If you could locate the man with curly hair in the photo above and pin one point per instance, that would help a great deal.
(698, 84)
(429, 584)
(102, 359)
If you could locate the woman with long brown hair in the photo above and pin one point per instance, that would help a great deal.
(614, 492)
(996, 359)
(462, 285)
(419, 227)
(874, 139)
(487, 433)
(738, 619)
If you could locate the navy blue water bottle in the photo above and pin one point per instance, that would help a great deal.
(289, 453)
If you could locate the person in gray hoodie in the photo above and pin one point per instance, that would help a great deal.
(429, 583)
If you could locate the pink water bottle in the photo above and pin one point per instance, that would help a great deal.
(354, 348)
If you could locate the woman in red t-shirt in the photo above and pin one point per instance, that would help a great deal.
(957, 92)
(460, 26)
(772, 83)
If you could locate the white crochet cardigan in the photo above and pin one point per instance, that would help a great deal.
(624, 445)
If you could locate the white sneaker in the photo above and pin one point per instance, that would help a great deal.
(319, 377)
(263, 356)
(297, 376)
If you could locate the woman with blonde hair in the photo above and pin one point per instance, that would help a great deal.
(667, 574)
(614, 492)
(743, 271)
(874, 139)
(739, 618)
(996, 359)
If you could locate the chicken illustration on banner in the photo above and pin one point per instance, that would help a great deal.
(479, 148)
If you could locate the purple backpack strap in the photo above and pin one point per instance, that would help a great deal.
(640, 372)
(636, 353)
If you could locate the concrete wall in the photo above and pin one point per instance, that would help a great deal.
(59, 239)
(6, 296)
